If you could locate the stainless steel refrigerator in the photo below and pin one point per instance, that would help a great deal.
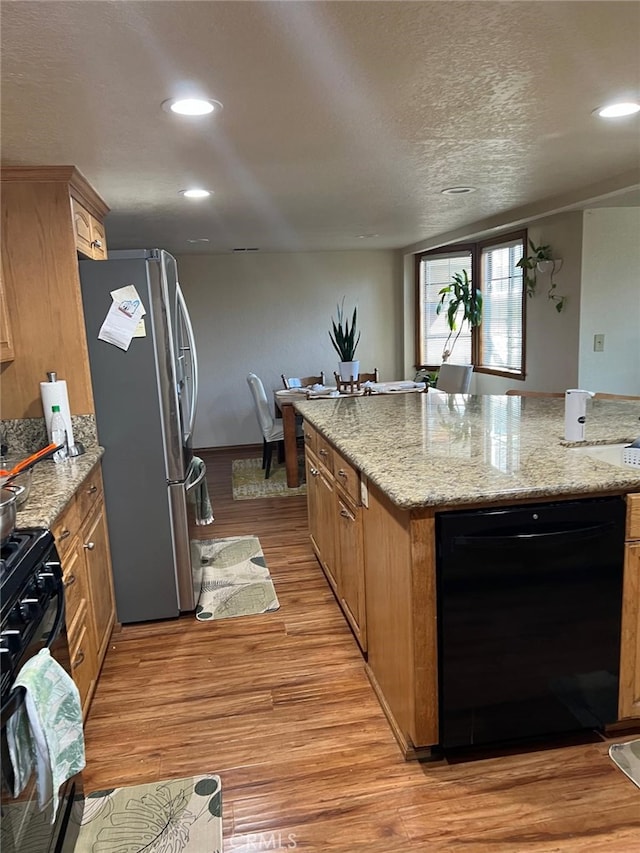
(145, 403)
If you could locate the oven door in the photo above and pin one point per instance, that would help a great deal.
(23, 828)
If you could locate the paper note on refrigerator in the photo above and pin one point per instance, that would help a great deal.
(121, 323)
(128, 293)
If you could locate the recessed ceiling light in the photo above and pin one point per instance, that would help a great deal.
(198, 240)
(623, 108)
(458, 190)
(191, 106)
(367, 236)
(195, 193)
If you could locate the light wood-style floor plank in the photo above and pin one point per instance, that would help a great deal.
(279, 705)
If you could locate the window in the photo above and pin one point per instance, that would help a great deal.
(497, 345)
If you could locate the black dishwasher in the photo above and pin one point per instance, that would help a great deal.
(529, 608)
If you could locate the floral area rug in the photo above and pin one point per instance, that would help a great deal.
(248, 482)
(627, 757)
(176, 816)
(234, 578)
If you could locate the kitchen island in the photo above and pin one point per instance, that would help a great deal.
(387, 466)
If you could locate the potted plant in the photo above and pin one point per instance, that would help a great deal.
(459, 295)
(541, 260)
(345, 342)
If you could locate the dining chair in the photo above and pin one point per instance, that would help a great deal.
(516, 392)
(272, 432)
(369, 377)
(348, 385)
(454, 378)
(303, 381)
(600, 395)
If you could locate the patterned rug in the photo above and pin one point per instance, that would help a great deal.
(247, 476)
(627, 757)
(233, 577)
(176, 816)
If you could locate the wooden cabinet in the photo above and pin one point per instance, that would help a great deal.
(321, 502)
(82, 542)
(6, 340)
(629, 697)
(335, 526)
(42, 283)
(89, 232)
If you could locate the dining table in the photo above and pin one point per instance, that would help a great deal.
(284, 400)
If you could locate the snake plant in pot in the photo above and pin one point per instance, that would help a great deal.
(345, 342)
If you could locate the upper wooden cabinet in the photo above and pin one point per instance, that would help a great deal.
(89, 232)
(40, 246)
(6, 340)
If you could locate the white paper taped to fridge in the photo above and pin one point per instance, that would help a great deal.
(128, 293)
(121, 323)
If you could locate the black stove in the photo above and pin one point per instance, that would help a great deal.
(30, 573)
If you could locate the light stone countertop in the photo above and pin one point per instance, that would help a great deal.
(439, 449)
(53, 485)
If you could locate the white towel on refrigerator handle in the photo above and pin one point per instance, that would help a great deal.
(45, 733)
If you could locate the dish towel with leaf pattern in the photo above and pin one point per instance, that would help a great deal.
(45, 733)
(200, 493)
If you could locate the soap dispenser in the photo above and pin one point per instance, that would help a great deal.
(575, 413)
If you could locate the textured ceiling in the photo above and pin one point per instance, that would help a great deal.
(340, 119)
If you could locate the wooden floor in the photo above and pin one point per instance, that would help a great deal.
(280, 707)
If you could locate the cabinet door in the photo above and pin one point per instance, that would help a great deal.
(82, 228)
(321, 503)
(98, 241)
(95, 543)
(629, 697)
(6, 341)
(350, 571)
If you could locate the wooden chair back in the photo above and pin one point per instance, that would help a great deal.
(349, 385)
(369, 377)
(516, 392)
(302, 381)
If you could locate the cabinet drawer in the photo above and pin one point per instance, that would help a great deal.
(65, 528)
(310, 437)
(633, 517)
(347, 477)
(89, 493)
(325, 452)
(75, 586)
(82, 657)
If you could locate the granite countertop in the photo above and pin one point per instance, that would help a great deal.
(53, 485)
(453, 449)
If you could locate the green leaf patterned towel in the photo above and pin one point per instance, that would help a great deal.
(45, 733)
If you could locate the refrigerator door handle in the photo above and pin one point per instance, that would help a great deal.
(194, 358)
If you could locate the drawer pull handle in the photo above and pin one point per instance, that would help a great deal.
(70, 581)
(97, 244)
(314, 472)
(322, 452)
(92, 490)
(78, 659)
(342, 473)
(65, 534)
(89, 546)
(345, 514)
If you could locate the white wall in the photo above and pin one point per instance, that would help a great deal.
(271, 314)
(611, 300)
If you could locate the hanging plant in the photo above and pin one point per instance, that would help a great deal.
(541, 261)
(459, 294)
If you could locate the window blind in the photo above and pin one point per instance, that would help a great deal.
(436, 272)
(501, 332)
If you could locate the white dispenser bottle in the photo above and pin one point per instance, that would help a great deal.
(575, 413)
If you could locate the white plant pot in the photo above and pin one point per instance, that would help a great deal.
(348, 370)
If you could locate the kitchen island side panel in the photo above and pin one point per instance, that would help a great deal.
(401, 618)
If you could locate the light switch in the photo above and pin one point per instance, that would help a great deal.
(598, 343)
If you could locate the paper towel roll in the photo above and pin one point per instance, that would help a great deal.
(55, 394)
